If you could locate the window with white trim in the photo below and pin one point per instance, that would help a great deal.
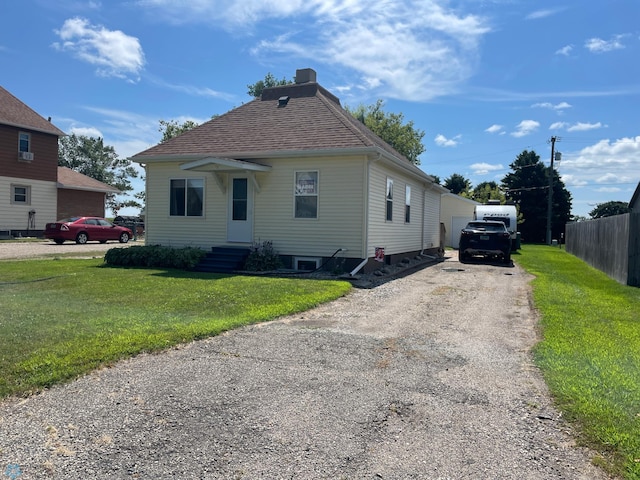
(186, 197)
(407, 204)
(389, 200)
(24, 142)
(306, 194)
(21, 194)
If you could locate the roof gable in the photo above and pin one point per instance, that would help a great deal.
(15, 113)
(72, 180)
(302, 117)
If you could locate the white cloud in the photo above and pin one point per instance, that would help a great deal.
(192, 90)
(610, 164)
(538, 14)
(484, 168)
(525, 127)
(581, 127)
(573, 181)
(86, 132)
(559, 107)
(443, 141)
(558, 125)
(114, 53)
(598, 45)
(566, 50)
(494, 128)
(414, 50)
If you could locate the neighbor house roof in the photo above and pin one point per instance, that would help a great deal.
(72, 180)
(300, 119)
(15, 113)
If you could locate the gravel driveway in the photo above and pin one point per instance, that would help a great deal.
(428, 376)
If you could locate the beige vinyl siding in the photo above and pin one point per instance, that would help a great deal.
(455, 210)
(164, 229)
(341, 207)
(44, 200)
(431, 219)
(395, 236)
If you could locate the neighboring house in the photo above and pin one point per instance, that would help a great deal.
(455, 213)
(80, 195)
(28, 167)
(296, 169)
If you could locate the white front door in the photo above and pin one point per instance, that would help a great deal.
(240, 215)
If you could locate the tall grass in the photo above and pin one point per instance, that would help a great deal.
(62, 318)
(590, 352)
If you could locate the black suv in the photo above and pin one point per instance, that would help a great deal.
(483, 237)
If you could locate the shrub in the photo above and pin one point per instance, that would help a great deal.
(262, 257)
(155, 256)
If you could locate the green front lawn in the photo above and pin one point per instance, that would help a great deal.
(590, 352)
(62, 318)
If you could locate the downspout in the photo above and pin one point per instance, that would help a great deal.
(365, 216)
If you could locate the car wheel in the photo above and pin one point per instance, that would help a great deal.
(59, 241)
(124, 237)
(82, 238)
(462, 257)
(507, 258)
(103, 241)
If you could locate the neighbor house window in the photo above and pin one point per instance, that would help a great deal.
(24, 142)
(389, 200)
(21, 194)
(187, 197)
(306, 195)
(407, 204)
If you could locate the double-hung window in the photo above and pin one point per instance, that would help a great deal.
(389, 200)
(24, 142)
(21, 194)
(187, 197)
(306, 195)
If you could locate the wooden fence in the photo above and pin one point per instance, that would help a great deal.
(610, 244)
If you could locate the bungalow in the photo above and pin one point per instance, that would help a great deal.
(295, 169)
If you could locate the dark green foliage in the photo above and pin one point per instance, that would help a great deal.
(609, 209)
(528, 187)
(155, 256)
(457, 184)
(262, 258)
(269, 81)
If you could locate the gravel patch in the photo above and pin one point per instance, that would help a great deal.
(428, 376)
(47, 248)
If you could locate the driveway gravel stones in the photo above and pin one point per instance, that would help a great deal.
(428, 376)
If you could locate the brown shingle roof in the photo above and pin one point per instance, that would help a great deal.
(311, 120)
(15, 113)
(72, 180)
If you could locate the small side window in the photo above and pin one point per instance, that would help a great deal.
(24, 142)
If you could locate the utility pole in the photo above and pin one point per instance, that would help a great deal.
(550, 195)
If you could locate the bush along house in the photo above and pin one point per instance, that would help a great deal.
(295, 170)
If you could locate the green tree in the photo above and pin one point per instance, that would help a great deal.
(172, 128)
(457, 184)
(608, 209)
(528, 186)
(485, 191)
(391, 128)
(91, 157)
(256, 89)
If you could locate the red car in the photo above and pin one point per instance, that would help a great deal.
(84, 229)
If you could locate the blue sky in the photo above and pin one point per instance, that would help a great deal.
(484, 79)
